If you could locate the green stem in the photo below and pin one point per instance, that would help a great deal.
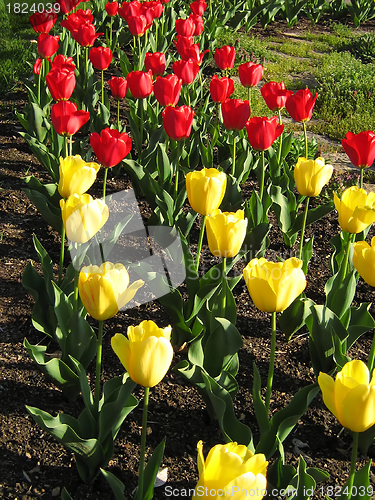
(76, 276)
(371, 357)
(361, 180)
(70, 145)
(141, 128)
(143, 444)
(281, 137)
(211, 9)
(200, 241)
(177, 170)
(87, 65)
(303, 227)
(78, 54)
(102, 87)
(249, 96)
(217, 118)
(234, 155)
(118, 114)
(272, 362)
(62, 250)
(353, 463)
(305, 135)
(98, 363)
(139, 54)
(201, 84)
(344, 264)
(39, 80)
(261, 188)
(224, 291)
(110, 33)
(105, 181)
(66, 146)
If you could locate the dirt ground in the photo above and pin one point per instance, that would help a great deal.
(34, 466)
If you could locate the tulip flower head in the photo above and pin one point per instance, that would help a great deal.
(198, 7)
(185, 27)
(177, 122)
(167, 90)
(235, 113)
(137, 25)
(356, 209)
(101, 57)
(111, 8)
(186, 70)
(262, 131)
(311, 176)
(86, 35)
(61, 81)
(43, 22)
(146, 354)
(221, 88)
(67, 119)
(182, 43)
(273, 286)
(118, 86)
(111, 146)
(76, 175)
(364, 260)
(360, 148)
(198, 23)
(105, 290)
(206, 189)
(225, 56)
(155, 62)
(275, 95)
(250, 74)
(140, 83)
(47, 45)
(351, 396)
(83, 216)
(232, 468)
(226, 232)
(300, 105)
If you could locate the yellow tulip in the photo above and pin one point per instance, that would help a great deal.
(231, 470)
(147, 352)
(351, 396)
(206, 189)
(364, 260)
(274, 285)
(76, 175)
(311, 176)
(105, 290)
(83, 216)
(226, 232)
(356, 209)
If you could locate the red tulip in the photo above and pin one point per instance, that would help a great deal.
(182, 43)
(66, 119)
(185, 27)
(61, 80)
(43, 22)
(360, 148)
(167, 90)
(140, 83)
(47, 45)
(221, 88)
(37, 66)
(186, 70)
(118, 86)
(61, 61)
(194, 52)
(67, 5)
(198, 8)
(110, 146)
(86, 35)
(155, 63)
(137, 25)
(111, 8)
(156, 9)
(177, 122)
(225, 56)
(235, 113)
(300, 105)
(250, 74)
(263, 131)
(101, 57)
(76, 19)
(199, 24)
(275, 95)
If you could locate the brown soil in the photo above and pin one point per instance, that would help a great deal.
(33, 465)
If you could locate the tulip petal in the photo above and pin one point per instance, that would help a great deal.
(120, 345)
(129, 293)
(327, 386)
(248, 484)
(359, 408)
(150, 360)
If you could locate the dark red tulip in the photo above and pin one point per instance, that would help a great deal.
(137, 25)
(167, 90)
(66, 119)
(140, 83)
(198, 8)
(101, 57)
(250, 74)
(199, 24)
(263, 131)
(155, 62)
(118, 86)
(186, 70)
(221, 88)
(60, 79)
(185, 27)
(360, 148)
(110, 146)
(86, 35)
(177, 122)
(300, 105)
(275, 95)
(235, 113)
(47, 45)
(43, 22)
(225, 57)
(182, 43)
(111, 8)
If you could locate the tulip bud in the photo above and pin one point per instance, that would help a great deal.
(311, 175)
(263, 131)
(235, 113)
(226, 232)
(206, 189)
(250, 74)
(360, 148)
(76, 175)
(364, 260)
(300, 105)
(225, 57)
(356, 209)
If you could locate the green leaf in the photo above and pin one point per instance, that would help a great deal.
(293, 318)
(45, 207)
(340, 293)
(361, 321)
(279, 475)
(303, 483)
(361, 485)
(116, 485)
(260, 409)
(151, 471)
(65, 495)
